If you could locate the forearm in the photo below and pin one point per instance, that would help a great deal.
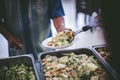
(12, 39)
(4, 32)
(59, 23)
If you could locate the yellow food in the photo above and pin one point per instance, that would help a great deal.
(61, 39)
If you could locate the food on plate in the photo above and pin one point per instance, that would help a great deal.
(61, 39)
(17, 72)
(73, 67)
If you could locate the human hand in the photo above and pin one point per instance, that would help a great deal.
(14, 41)
(62, 28)
(59, 24)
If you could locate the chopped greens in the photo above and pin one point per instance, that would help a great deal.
(73, 67)
(17, 72)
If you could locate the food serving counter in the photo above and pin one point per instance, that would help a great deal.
(111, 74)
(89, 71)
(26, 64)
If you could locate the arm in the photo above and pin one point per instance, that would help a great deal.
(10, 37)
(4, 32)
(56, 13)
(59, 23)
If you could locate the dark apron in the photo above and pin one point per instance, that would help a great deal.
(28, 19)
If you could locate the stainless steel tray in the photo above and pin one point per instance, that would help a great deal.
(102, 50)
(104, 47)
(89, 52)
(27, 60)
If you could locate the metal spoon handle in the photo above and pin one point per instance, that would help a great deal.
(85, 28)
(78, 31)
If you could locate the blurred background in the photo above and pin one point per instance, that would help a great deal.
(79, 13)
(76, 19)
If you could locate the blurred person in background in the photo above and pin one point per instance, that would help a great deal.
(29, 21)
(88, 7)
(6, 37)
(111, 25)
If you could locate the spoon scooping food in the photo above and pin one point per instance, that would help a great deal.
(65, 38)
(72, 34)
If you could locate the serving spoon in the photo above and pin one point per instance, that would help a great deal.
(84, 28)
(72, 34)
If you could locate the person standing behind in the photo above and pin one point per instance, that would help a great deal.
(111, 16)
(29, 20)
(5, 36)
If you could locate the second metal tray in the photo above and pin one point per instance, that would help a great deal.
(101, 51)
(89, 52)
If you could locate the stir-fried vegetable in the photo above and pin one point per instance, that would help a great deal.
(61, 39)
(104, 52)
(73, 67)
(17, 72)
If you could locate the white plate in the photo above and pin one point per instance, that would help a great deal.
(45, 42)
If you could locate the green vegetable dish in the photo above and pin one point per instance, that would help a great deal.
(16, 72)
(73, 67)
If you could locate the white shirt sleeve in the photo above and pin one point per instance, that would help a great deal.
(4, 52)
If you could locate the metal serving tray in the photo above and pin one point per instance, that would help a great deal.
(27, 60)
(107, 61)
(89, 52)
(102, 50)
